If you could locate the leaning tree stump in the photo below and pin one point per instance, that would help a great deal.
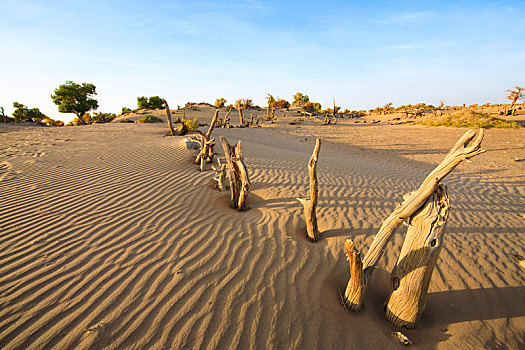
(310, 204)
(410, 277)
(461, 151)
(237, 174)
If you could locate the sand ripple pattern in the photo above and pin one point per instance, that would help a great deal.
(121, 245)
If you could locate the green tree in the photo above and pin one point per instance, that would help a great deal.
(142, 102)
(24, 114)
(75, 98)
(220, 102)
(299, 99)
(154, 102)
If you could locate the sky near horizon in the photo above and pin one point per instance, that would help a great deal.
(362, 53)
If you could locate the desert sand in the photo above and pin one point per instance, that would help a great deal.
(110, 238)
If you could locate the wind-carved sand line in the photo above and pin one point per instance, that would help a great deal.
(5, 169)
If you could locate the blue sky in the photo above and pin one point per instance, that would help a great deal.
(362, 53)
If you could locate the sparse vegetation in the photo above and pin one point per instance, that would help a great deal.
(469, 119)
(515, 95)
(191, 124)
(154, 102)
(126, 110)
(149, 119)
(220, 102)
(312, 107)
(299, 99)
(75, 98)
(244, 103)
(104, 117)
(25, 114)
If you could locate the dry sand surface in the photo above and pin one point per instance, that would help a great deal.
(110, 237)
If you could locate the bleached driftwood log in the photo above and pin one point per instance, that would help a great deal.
(460, 152)
(207, 145)
(220, 173)
(310, 204)
(411, 276)
(237, 174)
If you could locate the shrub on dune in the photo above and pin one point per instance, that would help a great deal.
(469, 119)
(149, 119)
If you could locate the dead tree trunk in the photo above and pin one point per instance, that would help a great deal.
(411, 276)
(237, 174)
(168, 117)
(227, 119)
(460, 152)
(221, 173)
(207, 145)
(310, 204)
(241, 117)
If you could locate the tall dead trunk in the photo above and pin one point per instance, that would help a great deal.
(310, 204)
(168, 117)
(411, 276)
(413, 201)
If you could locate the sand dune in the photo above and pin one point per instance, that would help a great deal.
(111, 238)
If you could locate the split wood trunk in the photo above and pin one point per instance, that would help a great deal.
(461, 151)
(237, 174)
(310, 204)
(411, 276)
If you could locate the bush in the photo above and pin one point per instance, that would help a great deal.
(126, 110)
(104, 117)
(220, 102)
(191, 124)
(51, 122)
(154, 102)
(311, 107)
(281, 103)
(469, 119)
(244, 103)
(299, 99)
(24, 114)
(149, 119)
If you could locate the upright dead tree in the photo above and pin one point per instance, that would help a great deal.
(411, 276)
(182, 129)
(237, 174)
(168, 117)
(242, 119)
(361, 271)
(310, 204)
(207, 144)
(227, 119)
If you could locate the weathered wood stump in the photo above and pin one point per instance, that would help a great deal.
(310, 204)
(237, 174)
(461, 151)
(411, 276)
(221, 173)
